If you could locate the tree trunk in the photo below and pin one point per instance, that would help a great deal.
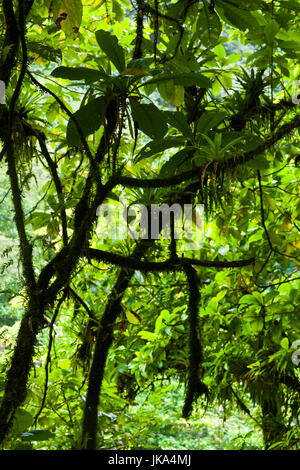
(103, 343)
(17, 376)
(273, 429)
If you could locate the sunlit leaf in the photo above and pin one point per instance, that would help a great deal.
(133, 317)
(67, 16)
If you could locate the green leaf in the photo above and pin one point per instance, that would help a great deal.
(184, 79)
(45, 51)
(22, 421)
(276, 333)
(38, 219)
(78, 73)
(19, 445)
(290, 5)
(181, 161)
(290, 45)
(150, 119)
(258, 163)
(248, 142)
(158, 324)
(178, 120)
(110, 45)
(220, 295)
(53, 228)
(133, 317)
(284, 343)
(117, 10)
(254, 365)
(210, 120)
(147, 335)
(18, 301)
(257, 325)
(258, 297)
(220, 51)
(64, 364)
(157, 146)
(270, 30)
(208, 28)
(111, 195)
(67, 16)
(142, 63)
(166, 314)
(89, 118)
(246, 4)
(172, 93)
(238, 17)
(248, 299)
(37, 435)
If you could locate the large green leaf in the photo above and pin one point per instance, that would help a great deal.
(173, 94)
(237, 17)
(245, 4)
(210, 120)
(159, 145)
(109, 44)
(150, 119)
(67, 15)
(178, 163)
(178, 120)
(22, 421)
(290, 5)
(209, 27)
(248, 299)
(117, 10)
(270, 30)
(295, 45)
(89, 118)
(38, 219)
(78, 73)
(37, 435)
(248, 141)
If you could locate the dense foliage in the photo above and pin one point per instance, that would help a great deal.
(187, 102)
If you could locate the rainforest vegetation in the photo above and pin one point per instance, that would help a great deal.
(124, 112)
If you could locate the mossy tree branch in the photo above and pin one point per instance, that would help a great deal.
(194, 386)
(17, 376)
(197, 172)
(132, 263)
(103, 343)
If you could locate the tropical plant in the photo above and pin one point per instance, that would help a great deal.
(167, 103)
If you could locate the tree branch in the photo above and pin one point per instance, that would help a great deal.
(132, 263)
(103, 343)
(196, 172)
(194, 387)
(59, 189)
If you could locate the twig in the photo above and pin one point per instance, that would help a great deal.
(48, 360)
